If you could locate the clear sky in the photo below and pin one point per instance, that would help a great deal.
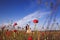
(17, 9)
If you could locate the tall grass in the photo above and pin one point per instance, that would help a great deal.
(36, 35)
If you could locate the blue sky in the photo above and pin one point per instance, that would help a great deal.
(18, 9)
(15, 9)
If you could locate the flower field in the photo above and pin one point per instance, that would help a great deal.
(36, 35)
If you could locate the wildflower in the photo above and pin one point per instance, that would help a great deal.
(14, 24)
(35, 21)
(30, 38)
(8, 33)
(42, 33)
(15, 31)
(0, 38)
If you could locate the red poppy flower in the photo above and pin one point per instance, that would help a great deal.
(35, 21)
(14, 24)
(42, 33)
(8, 33)
(15, 31)
(29, 38)
(1, 38)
